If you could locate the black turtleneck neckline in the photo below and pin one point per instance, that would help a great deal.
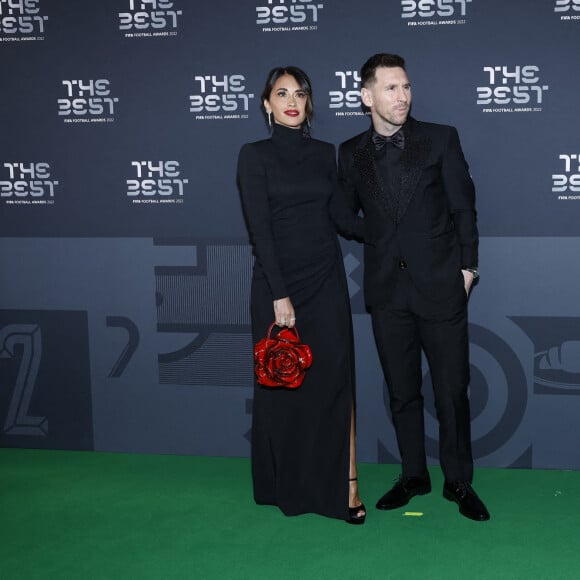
(287, 136)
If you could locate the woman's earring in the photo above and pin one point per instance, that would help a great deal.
(308, 122)
(270, 119)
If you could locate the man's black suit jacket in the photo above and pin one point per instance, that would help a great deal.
(430, 222)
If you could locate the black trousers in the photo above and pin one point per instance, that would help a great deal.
(411, 322)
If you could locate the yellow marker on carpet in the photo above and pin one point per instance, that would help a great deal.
(415, 514)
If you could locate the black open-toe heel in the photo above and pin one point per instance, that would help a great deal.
(353, 517)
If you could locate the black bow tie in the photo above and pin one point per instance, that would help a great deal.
(398, 140)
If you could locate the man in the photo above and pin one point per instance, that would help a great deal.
(412, 182)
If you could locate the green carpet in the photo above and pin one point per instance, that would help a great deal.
(76, 515)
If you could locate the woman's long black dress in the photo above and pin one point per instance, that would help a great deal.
(300, 437)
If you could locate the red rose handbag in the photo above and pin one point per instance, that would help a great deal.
(282, 360)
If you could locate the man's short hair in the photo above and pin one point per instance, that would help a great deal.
(382, 59)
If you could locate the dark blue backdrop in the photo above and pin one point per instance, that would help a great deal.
(124, 261)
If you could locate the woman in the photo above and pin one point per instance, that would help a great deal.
(303, 456)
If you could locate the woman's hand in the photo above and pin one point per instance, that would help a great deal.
(284, 312)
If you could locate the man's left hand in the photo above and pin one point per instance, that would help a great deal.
(468, 278)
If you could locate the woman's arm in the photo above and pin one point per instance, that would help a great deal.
(253, 186)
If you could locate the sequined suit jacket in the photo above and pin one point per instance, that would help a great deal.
(428, 219)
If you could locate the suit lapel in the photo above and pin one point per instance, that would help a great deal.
(364, 161)
(417, 149)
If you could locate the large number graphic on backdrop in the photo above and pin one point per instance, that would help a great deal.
(45, 388)
(18, 419)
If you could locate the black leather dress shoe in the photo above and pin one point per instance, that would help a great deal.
(468, 501)
(402, 492)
